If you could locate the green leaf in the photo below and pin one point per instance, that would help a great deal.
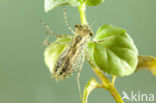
(51, 4)
(94, 2)
(116, 54)
(54, 50)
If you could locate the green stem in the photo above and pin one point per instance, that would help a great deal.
(115, 94)
(113, 79)
(108, 85)
(105, 82)
(91, 85)
(82, 9)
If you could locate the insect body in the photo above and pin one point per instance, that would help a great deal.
(68, 60)
(73, 57)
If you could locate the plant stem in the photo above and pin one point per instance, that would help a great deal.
(108, 85)
(115, 94)
(113, 79)
(105, 82)
(147, 62)
(82, 9)
(92, 84)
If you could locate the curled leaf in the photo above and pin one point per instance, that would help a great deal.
(53, 51)
(116, 53)
(147, 62)
(51, 4)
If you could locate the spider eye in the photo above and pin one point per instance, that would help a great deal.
(91, 34)
(76, 26)
(61, 73)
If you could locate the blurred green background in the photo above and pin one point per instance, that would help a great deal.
(24, 78)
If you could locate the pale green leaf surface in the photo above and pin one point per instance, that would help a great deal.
(53, 51)
(116, 54)
(51, 4)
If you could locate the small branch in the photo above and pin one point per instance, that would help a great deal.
(92, 84)
(113, 79)
(147, 62)
(106, 84)
(115, 94)
(104, 80)
(109, 86)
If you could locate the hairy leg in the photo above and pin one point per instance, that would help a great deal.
(51, 32)
(66, 21)
(78, 75)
